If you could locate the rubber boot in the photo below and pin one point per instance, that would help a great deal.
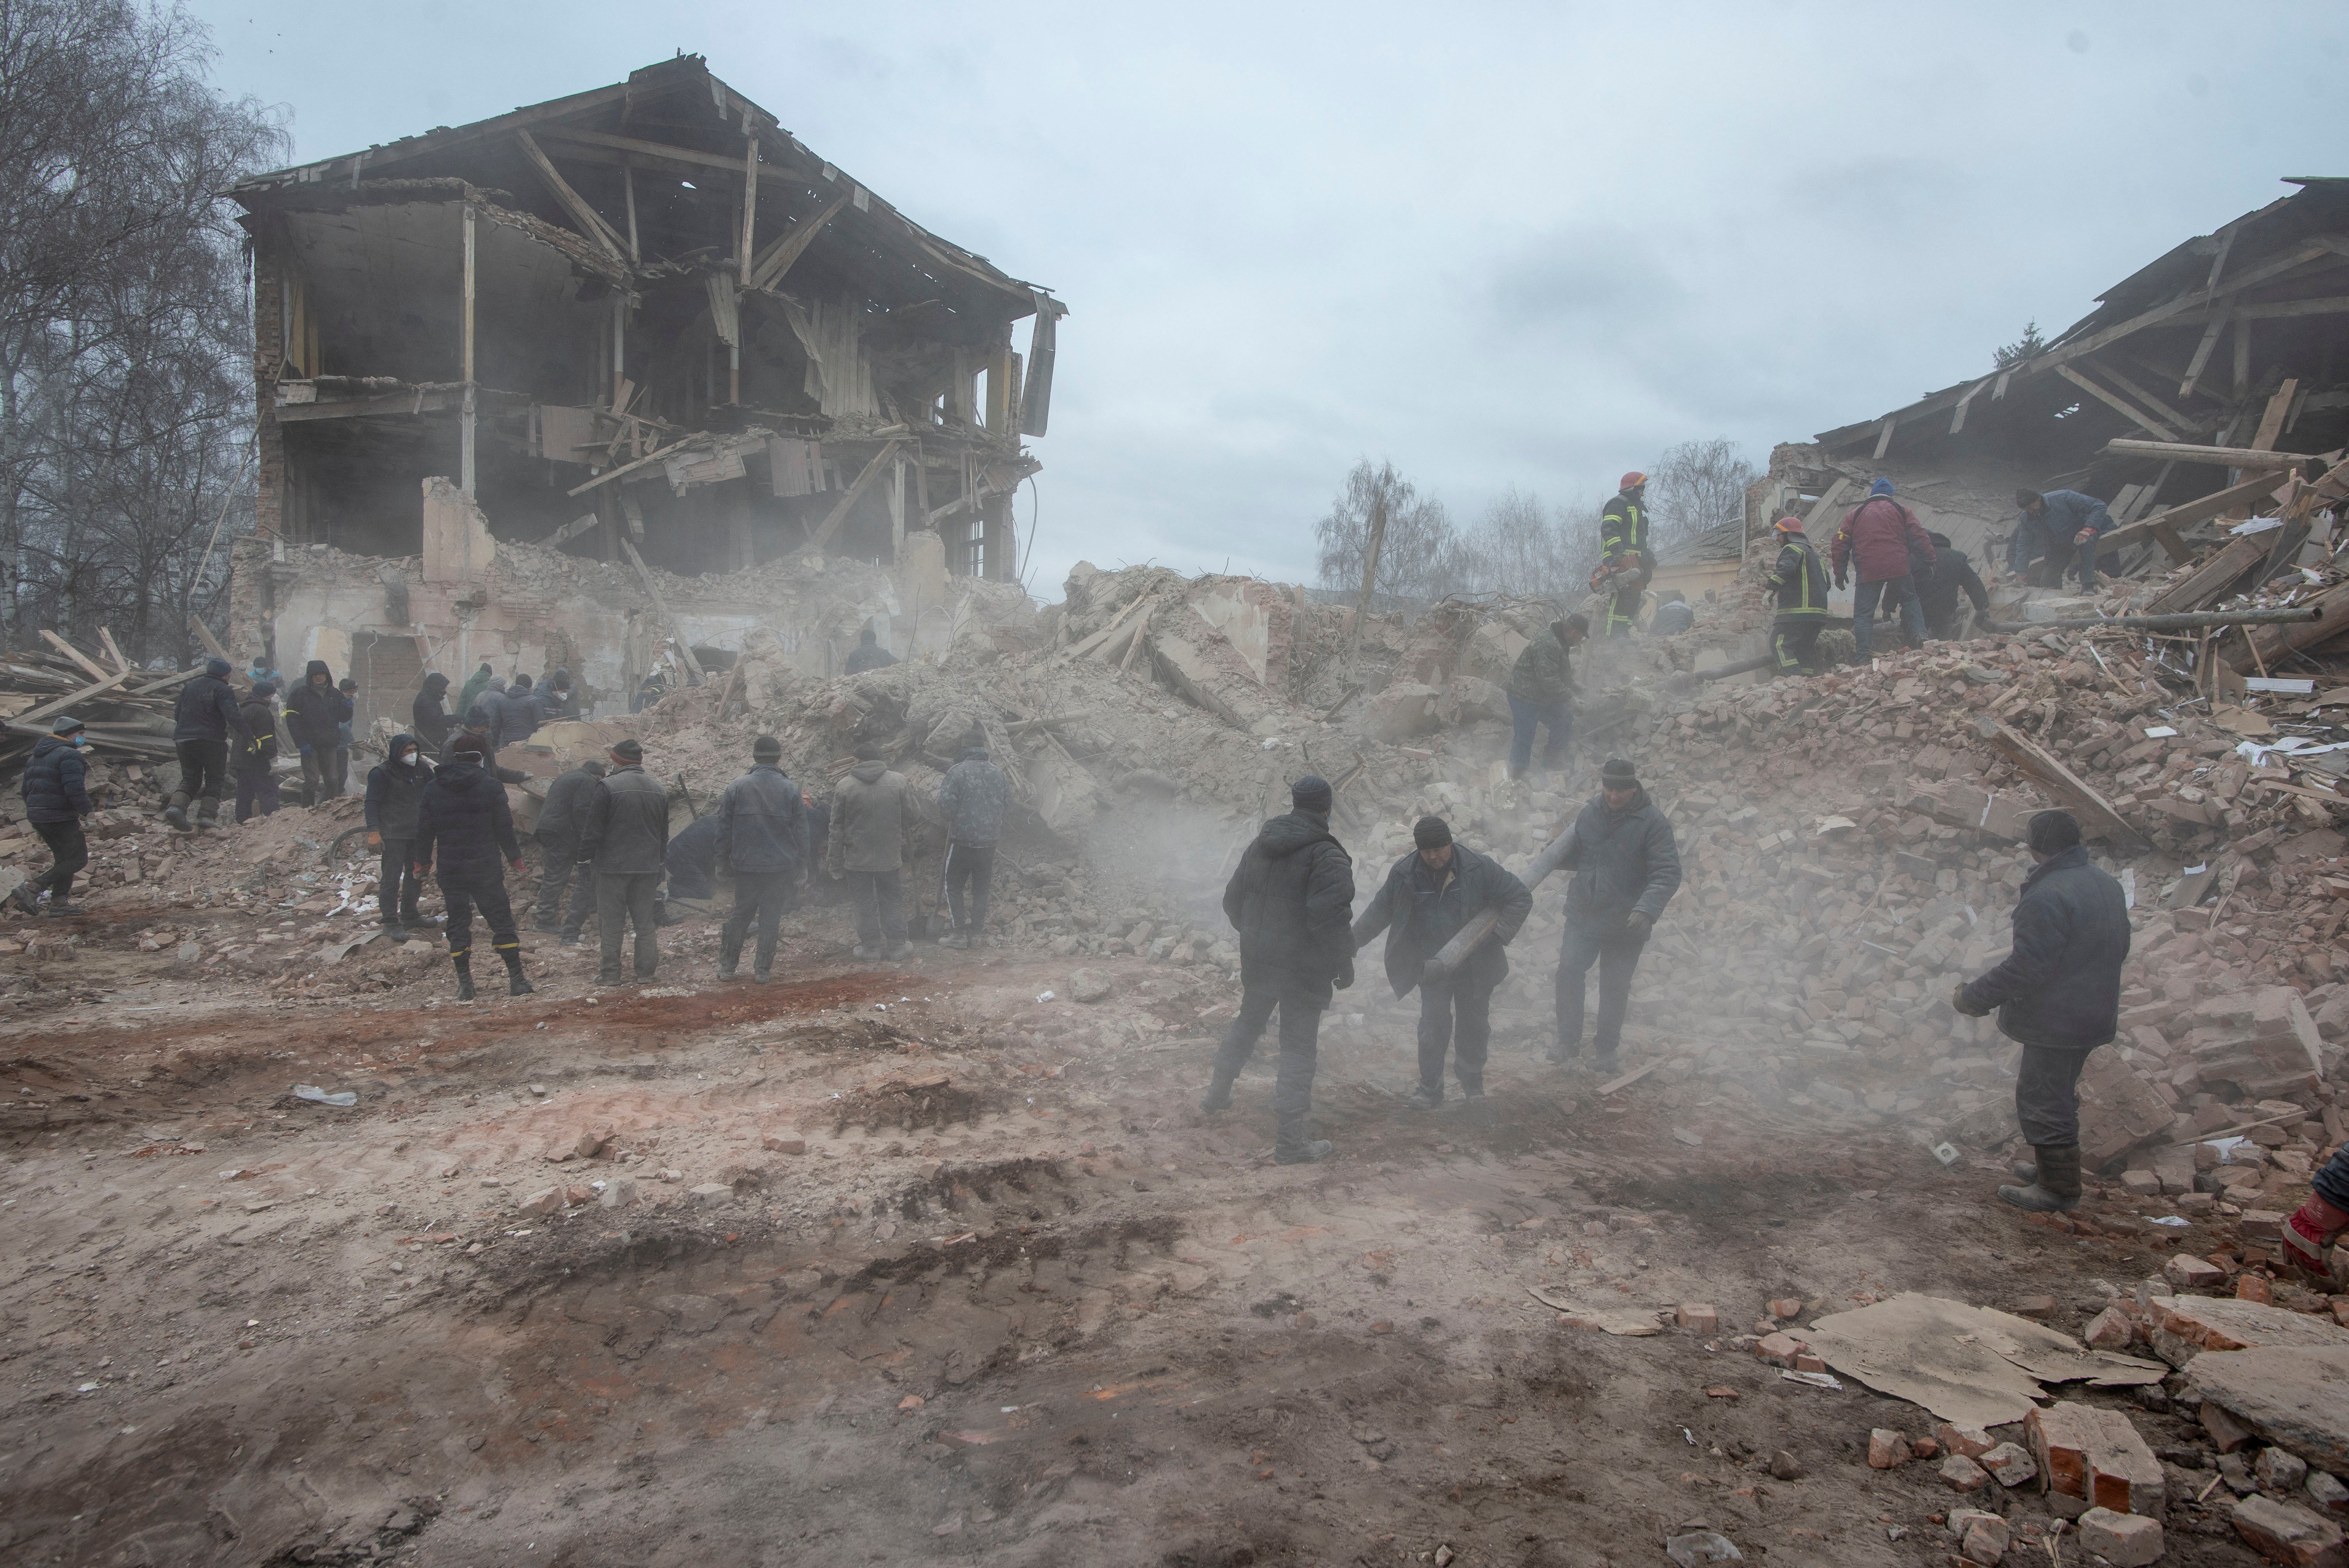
(1562, 1050)
(464, 964)
(1293, 1143)
(2026, 1171)
(1219, 1092)
(2057, 1189)
(517, 984)
(1424, 1099)
(2310, 1232)
(21, 896)
(176, 813)
(729, 957)
(208, 812)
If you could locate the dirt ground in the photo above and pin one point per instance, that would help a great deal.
(916, 1265)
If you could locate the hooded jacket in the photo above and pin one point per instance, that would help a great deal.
(53, 782)
(206, 710)
(479, 681)
(1544, 672)
(314, 710)
(1292, 902)
(1623, 861)
(462, 812)
(393, 791)
(256, 745)
(563, 816)
(868, 820)
(1881, 532)
(973, 798)
(1422, 908)
(625, 827)
(431, 713)
(867, 656)
(762, 824)
(2060, 988)
(1800, 582)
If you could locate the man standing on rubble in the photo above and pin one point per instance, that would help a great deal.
(1541, 693)
(2058, 994)
(431, 715)
(203, 720)
(763, 836)
(394, 787)
(1292, 902)
(1429, 895)
(1953, 571)
(315, 713)
(625, 832)
(1626, 869)
(868, 847)
(972, 797)
(561, 821)
(1877, 536)
(868, 654)
(1625, 560)
(55, 801)
(2059, 524)
(479, 681)
(462, 815)
(255, 761)
(1801, 584)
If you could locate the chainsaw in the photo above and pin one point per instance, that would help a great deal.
(1629, 570)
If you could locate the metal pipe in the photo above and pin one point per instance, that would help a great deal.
(1472, 935)
(2197, 622)
(1742, 667)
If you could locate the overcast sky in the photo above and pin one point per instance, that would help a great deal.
(1498, 245)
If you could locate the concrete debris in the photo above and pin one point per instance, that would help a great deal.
(2296, 1397)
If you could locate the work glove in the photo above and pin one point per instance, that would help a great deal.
(1842, 582)
(1638, 924)
(1344, 979)
(2084, 535)
(1958, 1000)
(375, 839)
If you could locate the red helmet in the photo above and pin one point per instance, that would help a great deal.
(1788, 525)
(1631, 479)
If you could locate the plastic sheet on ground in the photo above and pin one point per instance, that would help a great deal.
(1972, 1366)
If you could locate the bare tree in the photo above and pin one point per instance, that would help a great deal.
(1417, 540)
(1521, 547)
(1693, 488)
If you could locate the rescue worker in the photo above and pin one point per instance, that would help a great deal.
(1877, 537)
(868, 654)
(2318, 1223)
(1801, 583)
(55, 801)
(868, 847)
(1625, 558)
(256, 756)
(2058, 994)
(972, 797)
(2064, 527)
(762, 835)
(1626, 869)
(203, 720)
(1953, 571)
(560, 822)
(429, 715)
(1541, 693)
(394, 788)
(315, 712)
(1292, 902)
(654, 687)
(624, 830)
(479, 681)
(1429, 895)
(461, 814)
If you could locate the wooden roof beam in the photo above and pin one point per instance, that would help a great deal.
(590, 221)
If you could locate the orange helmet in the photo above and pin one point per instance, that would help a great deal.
(1788, 525)
(1632, 479)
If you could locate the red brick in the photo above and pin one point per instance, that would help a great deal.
(1962, 1474)
(2188, 1272)
(2287, 1533)
(1970, 1442)
(1887, 1448)
(2111, 1330)
(776, 1144)
(2122, 1539)
(1703, 1319)
(2094, 1458)
(1785, 1307)
(1779, 1349)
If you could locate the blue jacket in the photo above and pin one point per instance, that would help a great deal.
(2067, 512)
(53, 782)
(2060, 988)
(463, 813)
(762, 823)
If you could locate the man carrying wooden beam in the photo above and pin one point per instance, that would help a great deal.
(2056, 524)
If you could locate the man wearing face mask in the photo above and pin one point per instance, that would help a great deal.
(55, 803)
(393, 788)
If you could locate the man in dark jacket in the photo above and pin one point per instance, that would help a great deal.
(315, 713)
(2064, 527)
(1953, 572)
(624, 830)
(763, 836)
(560, 822)
(867, 845)
(689, 865)
(973, 798)
(1626, 869)
(394, 787)
(1541, 693)
(1292, 902)
(1429, 895)
(2058, 993)
(431, 715)
(202, 721)
(1877, 537)
(520, 715)
(1801, 586)
(557, 700)
(55, 801)
(1626, 559)
(255, 758)
(868, 654)
(463, 814)
(478, 725)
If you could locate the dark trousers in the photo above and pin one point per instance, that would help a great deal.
(626, 899)
(2047, 1097)
(397, 887)
(1524, 716)
(69, 853)
(765, 896)
(1900, 590)
(204, 769)
(1616, 956)
(1794, 642)
(485, 890)
(256, 794)
(971, 864)
(1623, 605)
(880, 906)
(558, 863)
(1300, 1036)
(1439, 1005)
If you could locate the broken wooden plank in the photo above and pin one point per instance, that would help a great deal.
(676, 626)
(572, 530)
(2194, 366)
(590, 221)
(75, 655)
(1820, 508)
(204, 635)
(2200, 509)
(2120, 405)
(2216, 456)
(2272, 421)
(1106, 633)
(608, 475)
(773, 172)
(849, 498)
(113, 649)
(2216, 576)
(2099, 820)
(50, 710)
(770, 268)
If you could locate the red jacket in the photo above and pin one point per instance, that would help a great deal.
(1881, 533)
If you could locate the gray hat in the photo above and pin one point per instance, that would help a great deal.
(68, 725)
(1618, 774)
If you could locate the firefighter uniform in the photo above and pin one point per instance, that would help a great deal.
(1800, 582)
(1625, 561)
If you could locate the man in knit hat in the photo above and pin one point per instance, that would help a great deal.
(203, 720)
(1292, 902)
(763, 838)
(1626, 869)
(624, 830)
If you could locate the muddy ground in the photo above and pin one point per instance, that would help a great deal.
(921, 1268)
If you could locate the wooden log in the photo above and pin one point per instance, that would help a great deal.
(2216, 576)
(2099, 820)
(1455, 952)
(2270, 644)
(590, 221)
(2218, 456)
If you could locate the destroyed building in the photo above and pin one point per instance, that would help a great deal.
(641, 325)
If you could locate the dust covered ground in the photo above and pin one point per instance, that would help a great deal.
(913, 1266)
